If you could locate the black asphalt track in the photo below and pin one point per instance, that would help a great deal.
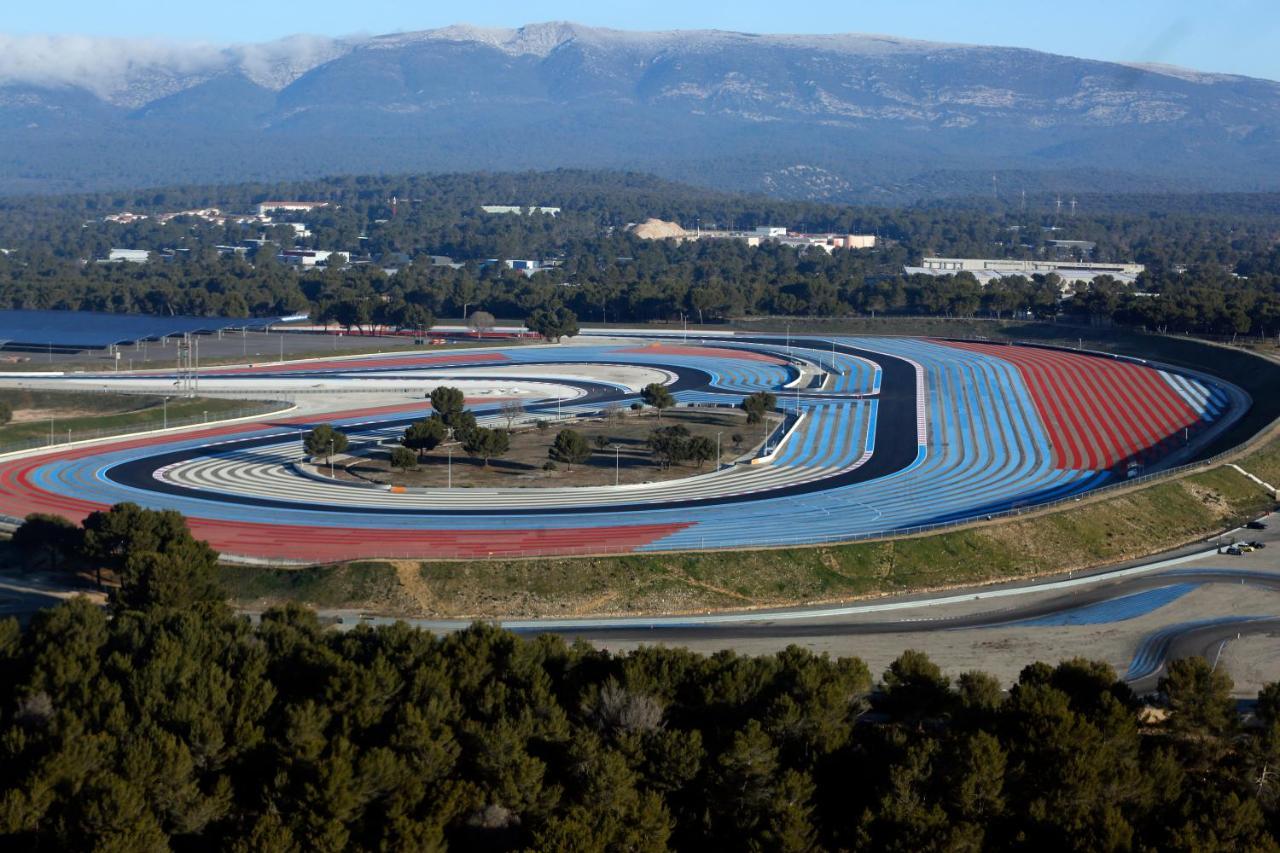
(896, 446)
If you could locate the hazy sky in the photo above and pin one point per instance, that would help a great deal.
(1237, 36)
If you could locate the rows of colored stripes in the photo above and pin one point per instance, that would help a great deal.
(997, 438)
(1099, 412)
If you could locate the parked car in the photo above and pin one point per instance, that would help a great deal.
(1257, 525)
(1245, 548)
(1232, 550)
(1257, 545)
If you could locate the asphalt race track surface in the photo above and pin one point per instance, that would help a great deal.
(881, 436)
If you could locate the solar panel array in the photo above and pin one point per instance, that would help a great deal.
(95, 330)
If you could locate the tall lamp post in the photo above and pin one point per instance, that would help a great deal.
(331, 441)
(718, 434)
(617, 464)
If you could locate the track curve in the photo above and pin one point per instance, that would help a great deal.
(886, 435)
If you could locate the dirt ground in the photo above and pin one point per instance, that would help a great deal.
(523, 464)
(24, 416)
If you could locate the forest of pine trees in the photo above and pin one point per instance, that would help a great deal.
(1230, 285)
(166, 721)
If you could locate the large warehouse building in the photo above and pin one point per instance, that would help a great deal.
(985, 269)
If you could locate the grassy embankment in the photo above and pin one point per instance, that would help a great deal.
(86, 413)
(1099, 531)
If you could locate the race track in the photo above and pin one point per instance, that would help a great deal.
(882, 435)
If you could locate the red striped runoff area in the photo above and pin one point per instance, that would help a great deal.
(1098, 412)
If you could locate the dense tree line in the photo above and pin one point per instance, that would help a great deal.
(1209, 271)
(167, 722)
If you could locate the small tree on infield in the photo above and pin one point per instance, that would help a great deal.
(404, 459)
(669, 445)
(757, 405)
(425, 435)
(655, 394)
(700, 449)
(324, 440)
(484, 443)
(570, 448)
(447, 402)
(480, 322)
(511, 410)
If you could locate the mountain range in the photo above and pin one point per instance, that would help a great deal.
(838, 117)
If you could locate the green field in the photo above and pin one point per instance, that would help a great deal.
(88, 413)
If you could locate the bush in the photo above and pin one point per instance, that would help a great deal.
(570, 448)
(404, 459)
(324, 440)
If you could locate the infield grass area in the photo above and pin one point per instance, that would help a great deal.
(85, 413)
(523, 464)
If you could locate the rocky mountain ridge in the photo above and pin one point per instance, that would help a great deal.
(840, 116)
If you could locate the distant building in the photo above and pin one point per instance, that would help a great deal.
(300, 230)
(515, 208)
(209, 214)
(778, 234)
(312, 257)
(445, 261)
(830, 242)
(986, 269)
(125, 218)
(527, 267)
(1086, 246)
(131, 256)
(296, 206)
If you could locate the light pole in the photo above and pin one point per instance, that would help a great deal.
(617, 465)
(450, 451)
(331, 441)
(718, 450)
(557, 409)
(165, 406)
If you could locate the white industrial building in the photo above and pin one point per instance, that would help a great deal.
(131, 256)
(312, 257)
(517, 209)
(295, 206)
(986, 269)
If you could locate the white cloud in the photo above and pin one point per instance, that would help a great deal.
(134, 71)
